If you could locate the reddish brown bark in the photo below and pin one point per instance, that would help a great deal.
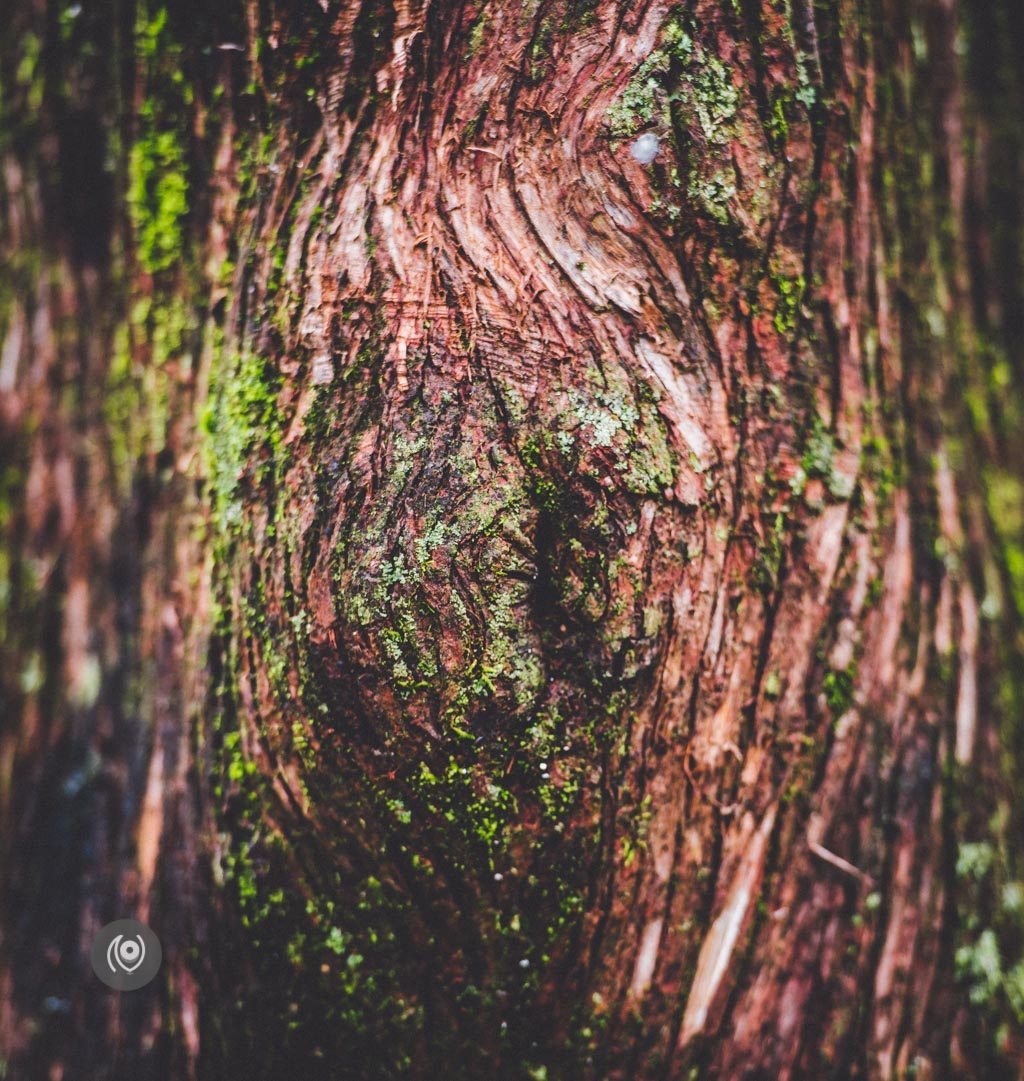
(551, 621)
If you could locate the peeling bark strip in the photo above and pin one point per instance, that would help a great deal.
(716, 952)
(513, 539)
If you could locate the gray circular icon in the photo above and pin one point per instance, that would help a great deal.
(126, 955)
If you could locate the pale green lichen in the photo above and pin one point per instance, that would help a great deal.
(682, 86)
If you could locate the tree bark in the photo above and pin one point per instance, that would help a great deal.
(512, 524)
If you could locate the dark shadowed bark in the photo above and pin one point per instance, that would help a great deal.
(512, 524)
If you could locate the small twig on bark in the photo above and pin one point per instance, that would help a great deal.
(837, 861)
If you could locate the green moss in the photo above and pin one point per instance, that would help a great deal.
(477, 32)
(979, 966)
(122, 407)
(28, 75)
(819, 460)
(480, 810)
(838, 687)
(769, 557)
(787, 312)
(634, 841)
(1004, 494)
(158, 197)
(504, 742)
(879, 461)
(242, 430)
(975, 859)
(158, 191)
(778, 123)
(540, 48)
(393, 592)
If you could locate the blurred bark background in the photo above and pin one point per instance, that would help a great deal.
(512, 533)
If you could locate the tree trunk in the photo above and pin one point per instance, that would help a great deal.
(512, 524)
